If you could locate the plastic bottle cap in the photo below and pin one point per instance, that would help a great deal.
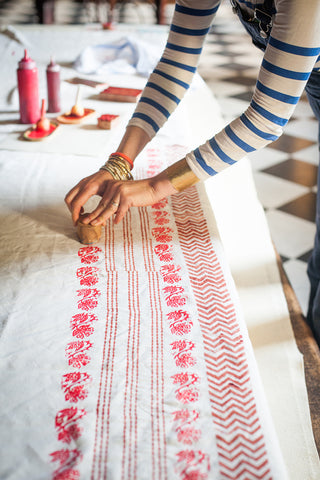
(26, 62)
(53, 67)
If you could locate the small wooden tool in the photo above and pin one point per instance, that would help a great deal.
(77, 110)
(107, 121)
(43, 125)
(88, 234)
(77, 114)
(42, 129)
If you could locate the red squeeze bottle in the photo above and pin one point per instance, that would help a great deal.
(28, 88)
(53, 87)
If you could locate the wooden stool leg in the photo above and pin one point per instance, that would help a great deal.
(161, 4)
(111, 9)
(45, 11)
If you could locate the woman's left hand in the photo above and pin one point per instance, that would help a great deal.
(119, 196)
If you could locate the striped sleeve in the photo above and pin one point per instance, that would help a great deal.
(292, 53)
(172, 76)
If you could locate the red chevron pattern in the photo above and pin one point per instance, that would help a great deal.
(240, 441)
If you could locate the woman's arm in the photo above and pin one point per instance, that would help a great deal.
(163, 92)
(173, 75)
(290, 56)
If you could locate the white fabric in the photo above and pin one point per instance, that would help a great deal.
(39, 328)
(127, 55)
(39, 261)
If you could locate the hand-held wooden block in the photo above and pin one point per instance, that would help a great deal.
(88, 234)
(107, 121)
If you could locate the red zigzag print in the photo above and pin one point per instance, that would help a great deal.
(240, 441)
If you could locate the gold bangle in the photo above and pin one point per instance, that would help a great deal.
(118, 168)
(181, 176)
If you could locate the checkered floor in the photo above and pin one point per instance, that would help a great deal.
(285, 172)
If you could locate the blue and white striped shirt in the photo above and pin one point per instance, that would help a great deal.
(292, 53)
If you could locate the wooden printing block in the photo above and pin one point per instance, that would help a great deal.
(87, 233)
(120, 94)
(107, 121)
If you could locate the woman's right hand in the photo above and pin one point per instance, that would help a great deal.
(95, 184)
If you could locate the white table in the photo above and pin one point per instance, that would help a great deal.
(39, 246)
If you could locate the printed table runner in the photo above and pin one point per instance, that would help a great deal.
(150, 373)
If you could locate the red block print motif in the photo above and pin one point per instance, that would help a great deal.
(89, 298)
(152, 171)
(174, 296)
(183, 356)
(164, 252)
(159, 205)
(76, 353)
(153, 162)
(185, 426)
(89, 254)
(82, 324)
(88, 276)
(170, 273)
(162, 234)
(66, 424)
(180, 322)
(68, 459)
(74, 386)
(188, 391)
(193, 465)
(160, 217)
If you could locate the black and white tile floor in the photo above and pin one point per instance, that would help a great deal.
(285, 172)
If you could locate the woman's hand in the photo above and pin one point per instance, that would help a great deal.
(95, 184)
(119, 196)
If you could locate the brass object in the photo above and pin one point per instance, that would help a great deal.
(181, 176)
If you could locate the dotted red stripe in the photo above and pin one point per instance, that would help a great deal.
(130, 415)
(158, 438)
(101, 442)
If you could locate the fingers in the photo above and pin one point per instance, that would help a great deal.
(103, 206)
(104, 211)
(117, 196)
(76, 204)
(86, 188)
(120, 213)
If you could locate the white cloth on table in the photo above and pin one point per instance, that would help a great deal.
(126, 55)
(120, 358)
(40, 256)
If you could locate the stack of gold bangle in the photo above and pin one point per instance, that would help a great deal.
(118, 168)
